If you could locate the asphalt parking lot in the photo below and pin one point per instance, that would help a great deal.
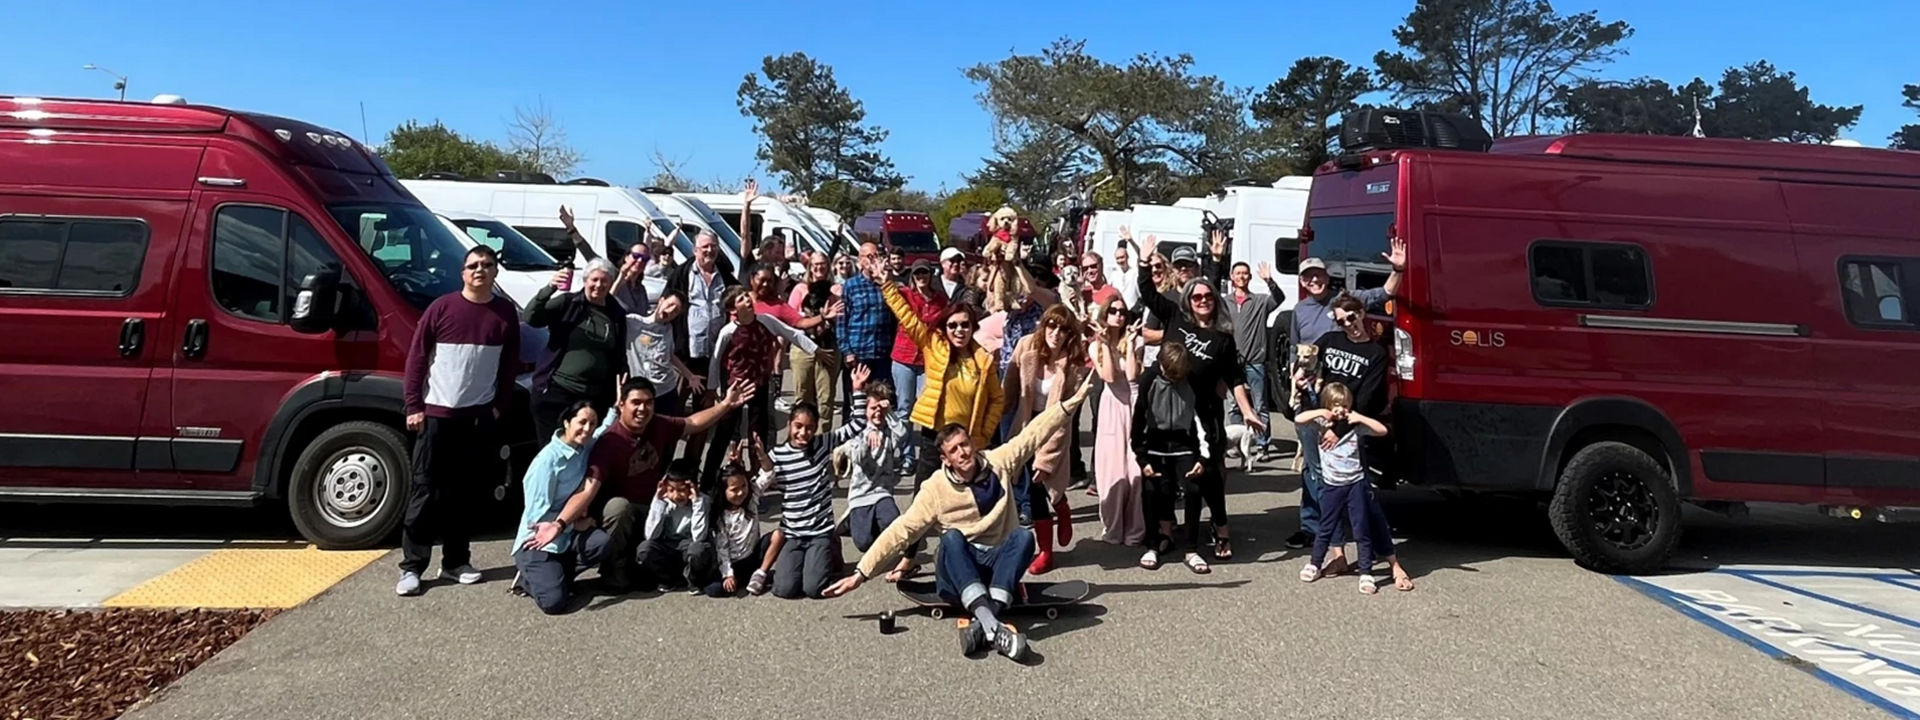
(1502, 625)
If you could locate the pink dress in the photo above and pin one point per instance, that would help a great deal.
(1115, 471)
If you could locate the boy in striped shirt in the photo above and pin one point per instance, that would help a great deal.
(802, 469)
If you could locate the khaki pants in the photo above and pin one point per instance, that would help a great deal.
(815, 380)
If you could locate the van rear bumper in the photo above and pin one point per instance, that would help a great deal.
(1477, 445)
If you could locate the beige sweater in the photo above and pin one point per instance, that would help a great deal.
(944, 503)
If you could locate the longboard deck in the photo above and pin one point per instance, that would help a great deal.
(1047, 596)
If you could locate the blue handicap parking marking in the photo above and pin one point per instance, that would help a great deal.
(1857, 629)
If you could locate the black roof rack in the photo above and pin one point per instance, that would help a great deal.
(1386, 129)
(589, 181)
(441, 175)
(522, 177)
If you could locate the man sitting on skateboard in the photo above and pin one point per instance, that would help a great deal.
(974, 503)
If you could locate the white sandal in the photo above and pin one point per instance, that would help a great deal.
(1368, 586)
(1197, 564)
(1309, 572)
(1150, 561)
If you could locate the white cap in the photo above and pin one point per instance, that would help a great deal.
(952, 253)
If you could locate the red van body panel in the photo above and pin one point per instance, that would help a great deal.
(1742, 370)
(911, 232)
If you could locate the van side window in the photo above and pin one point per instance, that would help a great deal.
(77, 256)
(553, 240)
(620, 237)
(260, 255)
(1602, 275)
(1875, 292)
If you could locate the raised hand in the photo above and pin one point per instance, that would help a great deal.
(566, 219)
(1085, 389)
(1126, 233)
(1396, 254)
(739, 393)
(751, 191)
(563, 279)
(1266, 272)
(835, 309)
(860, 375)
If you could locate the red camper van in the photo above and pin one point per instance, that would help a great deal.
(1626, 323)
(967, 231)
(209, 306)
(910, 232)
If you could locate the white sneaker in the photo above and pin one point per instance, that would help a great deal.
(408, 586)
(465, 574)
(783, 404)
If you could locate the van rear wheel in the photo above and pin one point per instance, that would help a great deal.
(349, 487)
(1615, 509)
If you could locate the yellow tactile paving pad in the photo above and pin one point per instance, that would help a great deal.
(247, 578)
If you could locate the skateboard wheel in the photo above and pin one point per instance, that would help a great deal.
(1053, 613)
(939, 613)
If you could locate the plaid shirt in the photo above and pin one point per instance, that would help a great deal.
(750, 354)
(866, 329)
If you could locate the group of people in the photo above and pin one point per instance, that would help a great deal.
(969, 375)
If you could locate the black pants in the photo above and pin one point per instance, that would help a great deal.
(755, 416)
(1209, 489)
(801, 570)
(453, 459)
(927, 459)
(1158, 492)
(553, 400)
(676, 563)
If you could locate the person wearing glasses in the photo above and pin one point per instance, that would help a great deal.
(459, 383)
(962, 381)
(1354, 358)
(1201, 326)
(1313, 320)
(1046, 365)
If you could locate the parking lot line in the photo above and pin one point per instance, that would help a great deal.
(1882, 614)
(247, 578)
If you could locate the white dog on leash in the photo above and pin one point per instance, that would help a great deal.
(1241, 437)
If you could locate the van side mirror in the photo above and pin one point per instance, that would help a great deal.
(316, 307)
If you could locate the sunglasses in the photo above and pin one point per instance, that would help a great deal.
(1197, 297)
(1090, 267)
(960, 325)
(1348, 321)
(480, 266)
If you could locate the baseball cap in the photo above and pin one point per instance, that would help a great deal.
(952, 253)
(923, 265)
(1312, 264)
(1185, 254)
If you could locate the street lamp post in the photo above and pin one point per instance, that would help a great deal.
(120, 81)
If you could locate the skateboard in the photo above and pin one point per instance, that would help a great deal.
(1048, 597)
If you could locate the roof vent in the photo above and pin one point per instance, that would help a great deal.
(522, 177)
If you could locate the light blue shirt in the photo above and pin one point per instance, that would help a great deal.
(555, 474)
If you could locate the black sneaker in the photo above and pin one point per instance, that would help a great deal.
(1299, 539)
(1010, 642)
(973, 639)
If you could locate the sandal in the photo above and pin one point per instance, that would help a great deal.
(1150, 561)
(1368, 586)
(1197, 564)
(1309, 572)
(1403, 582)
(1222, 548)
(1336, 567)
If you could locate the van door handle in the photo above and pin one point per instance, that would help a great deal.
(195, 345)
(133, 336)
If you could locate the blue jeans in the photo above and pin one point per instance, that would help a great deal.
(548, 577)
(908, 383)
(1310, 485)
(1257, 397)
(959, 568)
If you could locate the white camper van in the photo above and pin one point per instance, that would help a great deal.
(1266, 226)
(612, 219)
(836, 227)
(524, 267)
(770, 214)
(694, 216)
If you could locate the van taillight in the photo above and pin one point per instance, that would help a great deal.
(1402, 354)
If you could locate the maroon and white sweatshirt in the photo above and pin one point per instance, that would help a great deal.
(464, 358)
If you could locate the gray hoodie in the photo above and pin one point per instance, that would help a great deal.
(875, 470)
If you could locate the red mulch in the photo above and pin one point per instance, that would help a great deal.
(86, 664)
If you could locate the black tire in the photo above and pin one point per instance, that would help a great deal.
(1615, 509)
(372, 470)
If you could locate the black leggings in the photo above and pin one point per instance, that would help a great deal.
(1157, 493)
(756, 416)
(1211, 489)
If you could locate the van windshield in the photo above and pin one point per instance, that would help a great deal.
(418, 255)
(913, 241)
(1350, 238)
(517, 253)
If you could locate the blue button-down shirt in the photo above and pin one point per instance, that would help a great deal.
(704, 314)
(867, 328)
(554, 476)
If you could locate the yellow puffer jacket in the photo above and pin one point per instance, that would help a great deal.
(988, 402)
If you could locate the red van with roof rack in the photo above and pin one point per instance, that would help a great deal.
(1623, 323)
(909, 232)
(209, 306)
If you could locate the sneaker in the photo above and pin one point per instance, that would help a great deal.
(783, 404)
(409, 585)
(465, 574)
(1010, 642)
(757, 585)
(1299, 539)
(973, 640)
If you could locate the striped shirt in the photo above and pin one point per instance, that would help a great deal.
(805, 479)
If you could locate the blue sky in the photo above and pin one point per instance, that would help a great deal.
(627, 78)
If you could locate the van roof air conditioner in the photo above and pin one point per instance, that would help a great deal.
(596, 182)
(522, 177)
(1383, 129)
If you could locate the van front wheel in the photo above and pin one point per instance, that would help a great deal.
(349, 487)
(1615, 509)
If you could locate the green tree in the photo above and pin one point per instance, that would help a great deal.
(1303, 107)
(1500, 61)
(1154, 108)
(900, 199)
(414, 149)
(1032, 169)
(972, 198)
(1908, 136)
(811, 128)
(1642, 106)
(1758, 102)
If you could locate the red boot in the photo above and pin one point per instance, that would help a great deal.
(1063, 522)
(1042, 535)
